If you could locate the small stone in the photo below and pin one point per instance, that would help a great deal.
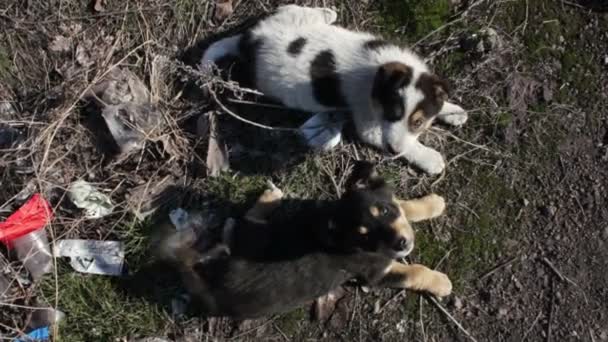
(548, 211)
(525, 202)
(457, 302)
(377, 307)
(401, 326)
(502, 312)
(606, 60)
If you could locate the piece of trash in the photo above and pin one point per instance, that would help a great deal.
(44, 317)
(40, 334)
(324, 130)
(179, 218)
(325, 306)
(92, 256)
(131, 124)
(217, 152)
(24, 232)
(127, 109)
(85, 196)
(146, 199)
(223, 9)
(98, 5)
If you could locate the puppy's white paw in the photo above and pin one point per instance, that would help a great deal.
(431, 163)
(455, 119)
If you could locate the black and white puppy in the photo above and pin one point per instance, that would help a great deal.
(297, 57)
(276, 265)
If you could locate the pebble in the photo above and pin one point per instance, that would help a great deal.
(457, 303)
(502, 312)
(606, 60)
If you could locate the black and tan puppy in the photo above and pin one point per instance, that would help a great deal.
(275, 266)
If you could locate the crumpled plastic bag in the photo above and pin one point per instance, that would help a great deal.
(92, 256)
(85, 196)
(323, 131)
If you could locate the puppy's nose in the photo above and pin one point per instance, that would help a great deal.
(401, 244)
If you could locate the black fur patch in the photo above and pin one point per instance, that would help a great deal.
(248, 51)
(375, 44)
(294, 48)
(390, 78)
(435, 93)
(326, 85)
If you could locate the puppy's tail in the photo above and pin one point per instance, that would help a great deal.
(222, 48)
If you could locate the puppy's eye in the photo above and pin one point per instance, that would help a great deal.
(383, 211)
(417, 123)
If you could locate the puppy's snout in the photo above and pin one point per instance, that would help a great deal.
(401, 244)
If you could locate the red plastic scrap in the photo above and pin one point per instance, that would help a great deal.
(33, 215)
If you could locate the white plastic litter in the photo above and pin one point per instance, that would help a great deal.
(179, 218)
(85, 196)
(33, 250)
(324, 130)
(91, 256)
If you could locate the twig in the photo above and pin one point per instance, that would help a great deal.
(281, 332)
(392, 299)
(451, 318)
(447, 254)
(563, 277)
(551, 310)
(259, 125)
(498, 267)
(421, 321)
(533, 325)
(255, 328)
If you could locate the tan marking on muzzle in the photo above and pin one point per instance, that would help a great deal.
(401, 225)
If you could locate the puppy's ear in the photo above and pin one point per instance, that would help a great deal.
(434, 87)
(364, 176)
(391, 77)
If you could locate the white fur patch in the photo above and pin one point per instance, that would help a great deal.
(287, 76)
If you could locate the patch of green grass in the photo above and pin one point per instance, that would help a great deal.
(290, 322)
(416, 17)
(5, 62)
(235, 188)
(97, 311)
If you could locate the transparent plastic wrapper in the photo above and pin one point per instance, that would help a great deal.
(90, 256)
(323, 131)
(85, 196)
(24, 233)
(33, 250)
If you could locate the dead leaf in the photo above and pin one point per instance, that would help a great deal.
(61, 44)
(217, 152)
(223, 9)
(325, 306)
(98, 5)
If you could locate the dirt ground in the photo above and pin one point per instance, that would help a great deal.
(525, 236)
